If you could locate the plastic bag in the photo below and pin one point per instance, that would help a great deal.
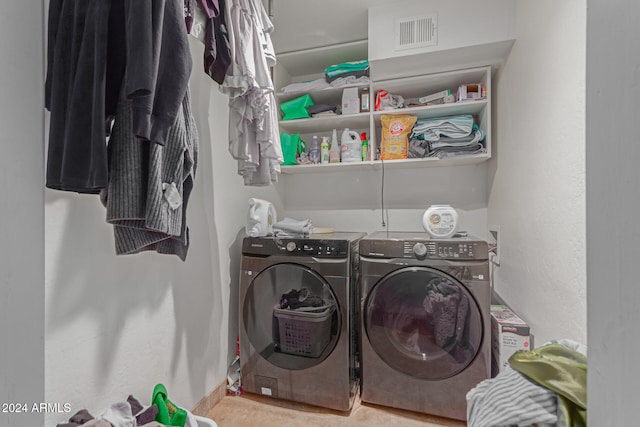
(297, 108)
(388, 101)
(292, 146)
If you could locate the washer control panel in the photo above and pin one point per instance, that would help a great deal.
(296, 247)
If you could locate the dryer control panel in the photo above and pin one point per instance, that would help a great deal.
(443, 250)
(450, 249)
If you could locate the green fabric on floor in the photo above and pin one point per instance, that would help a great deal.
(169, 414)
(562, 370)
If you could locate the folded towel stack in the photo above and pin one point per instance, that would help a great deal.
(289, 227)
(346, 69)
(446, 137)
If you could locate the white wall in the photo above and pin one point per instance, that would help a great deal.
(117, 325)
(537, 189)
(467, 34)
(456, 26)
(613, 195)
(352, 201)
(21, 213)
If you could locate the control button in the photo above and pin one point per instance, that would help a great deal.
(420, 249)
(291, 246)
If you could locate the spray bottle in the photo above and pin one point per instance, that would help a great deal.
(334, 152)
(365, 146)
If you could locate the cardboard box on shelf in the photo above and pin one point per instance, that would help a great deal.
(509, 333)
(434, 96)
(470, 92)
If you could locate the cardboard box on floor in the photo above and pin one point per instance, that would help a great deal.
(509, 333)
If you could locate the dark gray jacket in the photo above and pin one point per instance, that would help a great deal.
(158, 65)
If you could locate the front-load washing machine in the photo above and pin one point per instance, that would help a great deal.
(425, 307)
(298, 318)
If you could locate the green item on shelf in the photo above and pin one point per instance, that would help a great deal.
(297, 108)
(291, 145)
(169, 414)
(346, 67)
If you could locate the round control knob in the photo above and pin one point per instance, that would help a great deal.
(291, 246)
(420, 249)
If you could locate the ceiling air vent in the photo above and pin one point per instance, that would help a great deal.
(414, 32)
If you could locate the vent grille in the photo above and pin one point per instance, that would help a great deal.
(416, 32)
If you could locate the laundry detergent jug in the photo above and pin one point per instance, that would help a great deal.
(351, 147)
(260, 218)
(440, 221)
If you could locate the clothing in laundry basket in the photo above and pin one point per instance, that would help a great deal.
(560, 369)
(300, 298)
(79, 418)
(546, 380)
(143, 415)
(510, 399)
(116, 415)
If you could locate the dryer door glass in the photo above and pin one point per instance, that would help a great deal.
(291, 316)
(423, 322)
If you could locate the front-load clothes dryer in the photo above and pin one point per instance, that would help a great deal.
(425, 307)
(298, 318)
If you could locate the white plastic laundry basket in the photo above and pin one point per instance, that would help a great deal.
(205, 422)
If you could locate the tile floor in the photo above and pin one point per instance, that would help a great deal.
(250, 410)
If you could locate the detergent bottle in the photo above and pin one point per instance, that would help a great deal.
(351, 150)
(324, 150)
(334, 152)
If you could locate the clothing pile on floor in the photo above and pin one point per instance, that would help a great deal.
(443, 137)
(546, 386)
(131, 413)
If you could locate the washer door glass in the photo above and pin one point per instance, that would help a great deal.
(291, 316)
(423, 322)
